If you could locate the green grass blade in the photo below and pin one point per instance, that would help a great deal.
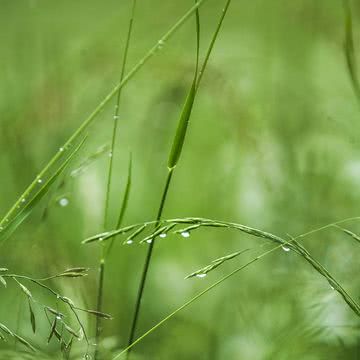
(29, 206)
(124, 202)
(353, 235)
(116, 113)
(213, 40)
(183, 124)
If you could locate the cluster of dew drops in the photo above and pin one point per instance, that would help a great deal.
(184, 234)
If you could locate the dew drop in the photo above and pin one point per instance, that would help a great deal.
(129, 242)
(161, 44)
(149, 241)
(39, 181)
(110, 154)
(116, 117)
(64, 202)
(332, 288)
(58, 317)
(163, 235)
(61, 149)
(285, 248)
(23, 200)
(200, 275)
(185, 234)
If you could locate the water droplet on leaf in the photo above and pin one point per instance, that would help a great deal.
(64, 202)
(185, 234)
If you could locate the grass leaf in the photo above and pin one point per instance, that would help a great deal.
(30, 205)
(32, 317)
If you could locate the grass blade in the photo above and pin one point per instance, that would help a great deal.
(183, 124)
(30, 205)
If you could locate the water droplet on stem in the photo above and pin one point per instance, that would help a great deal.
(201, 275)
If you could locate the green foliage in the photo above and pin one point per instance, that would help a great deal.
(273, 143)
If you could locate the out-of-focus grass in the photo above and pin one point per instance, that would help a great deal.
(273, 143)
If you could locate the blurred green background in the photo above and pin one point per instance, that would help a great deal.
(273, 143)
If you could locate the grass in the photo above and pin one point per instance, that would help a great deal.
(104, 251)
(55, 319)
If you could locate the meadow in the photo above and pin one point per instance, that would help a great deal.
(180, 180)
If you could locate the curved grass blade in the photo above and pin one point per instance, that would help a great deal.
(30, 205)
(24, 342)
(101, 151)
(350, 233)
(215, 264)
(292, 244)
(212, 286)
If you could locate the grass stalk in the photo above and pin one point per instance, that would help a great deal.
(147, 263)
(174, 158)
(104, 252)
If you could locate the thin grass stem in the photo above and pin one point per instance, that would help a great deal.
(99, 305)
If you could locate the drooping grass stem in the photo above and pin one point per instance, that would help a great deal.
(201, 293)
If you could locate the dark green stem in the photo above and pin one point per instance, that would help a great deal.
(147, 263)
(99, 305)
(104, 253)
